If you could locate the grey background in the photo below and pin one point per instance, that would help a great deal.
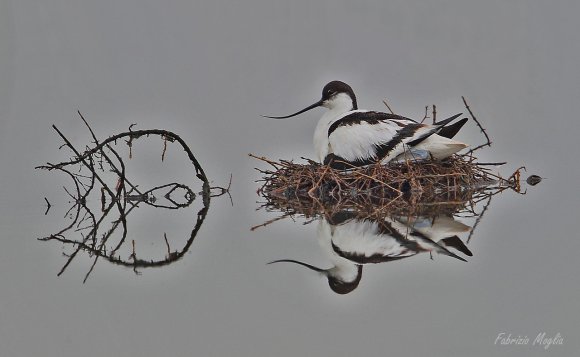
(207, 70)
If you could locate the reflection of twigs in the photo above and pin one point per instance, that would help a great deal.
(164, 148)
(175, 256)
(47, 206)
(479, 217)
(167, 244)
(86, 238)
(270, 221)
(223, 191)
(77, 205)
(99, 250)
(189, 196)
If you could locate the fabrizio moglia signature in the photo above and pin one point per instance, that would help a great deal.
(542, 340)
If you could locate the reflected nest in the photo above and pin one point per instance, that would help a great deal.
(409, 187)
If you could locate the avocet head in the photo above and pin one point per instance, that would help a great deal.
(336, 95)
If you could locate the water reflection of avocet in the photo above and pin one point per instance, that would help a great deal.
(350, 242)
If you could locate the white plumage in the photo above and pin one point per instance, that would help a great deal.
(346, 134)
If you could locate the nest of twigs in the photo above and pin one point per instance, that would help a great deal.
(452, 180)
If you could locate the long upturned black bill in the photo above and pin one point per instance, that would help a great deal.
(317, 104)
(298, 262)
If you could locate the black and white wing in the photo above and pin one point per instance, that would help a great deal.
(365, 137)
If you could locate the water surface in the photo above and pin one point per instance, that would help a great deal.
(207, 72)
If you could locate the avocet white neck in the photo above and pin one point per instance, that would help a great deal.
(338, 106)
(342, 268)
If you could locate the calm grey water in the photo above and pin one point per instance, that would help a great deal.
(208, 71)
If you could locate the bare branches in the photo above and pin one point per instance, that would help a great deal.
(104, 235)
(132, 135)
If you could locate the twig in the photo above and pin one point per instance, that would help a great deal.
(268, 222)
(82, 159)
(223, 191)
(434, 113)
(426, 115)
(167, 244)
(164, 148)
(492, 163)
(387, 104)
(488, 140)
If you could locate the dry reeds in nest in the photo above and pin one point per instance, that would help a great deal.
(429, 180)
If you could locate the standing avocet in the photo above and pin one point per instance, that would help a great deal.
(346, 136)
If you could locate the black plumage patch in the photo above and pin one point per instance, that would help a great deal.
(340, 163)
(406, 132)
(458, 244)
(449, 131)
(341, 217)
(385, 228)
(372, 118)
(360, 258)
(436, 129)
